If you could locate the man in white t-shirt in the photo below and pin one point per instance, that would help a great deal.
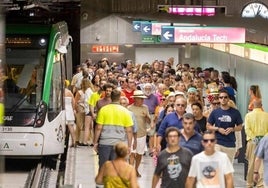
(210, 168)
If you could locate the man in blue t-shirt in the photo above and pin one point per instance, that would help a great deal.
(225, 121)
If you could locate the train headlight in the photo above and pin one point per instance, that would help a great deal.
(42, 42)
(41, 114)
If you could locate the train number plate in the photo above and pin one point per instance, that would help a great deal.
(6, 129)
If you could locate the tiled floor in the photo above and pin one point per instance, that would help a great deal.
(82, 166)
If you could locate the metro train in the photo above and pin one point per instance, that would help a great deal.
(38, 57)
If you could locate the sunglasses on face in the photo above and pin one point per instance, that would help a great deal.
(182, 105)
(216, 103)
(207, 140)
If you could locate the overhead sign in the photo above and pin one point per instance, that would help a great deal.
(167, 34)
(146, 28)
(202, 34)
(156, 27)
(136, 26)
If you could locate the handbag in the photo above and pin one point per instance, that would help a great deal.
(80, 109)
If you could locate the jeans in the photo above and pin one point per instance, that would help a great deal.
(106, 153)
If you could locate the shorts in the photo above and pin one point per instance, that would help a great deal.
(89, 113)
(151, 131)
(69, 122)
(141, 146)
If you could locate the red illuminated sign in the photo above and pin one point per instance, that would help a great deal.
(105, 49)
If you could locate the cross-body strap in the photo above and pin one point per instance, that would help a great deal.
(119, 175)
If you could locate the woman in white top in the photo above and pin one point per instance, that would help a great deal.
(69, 111)
(83, 118)
(88, 133)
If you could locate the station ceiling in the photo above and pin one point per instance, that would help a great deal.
(144, 10)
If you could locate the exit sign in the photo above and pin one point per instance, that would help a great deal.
(150, 39)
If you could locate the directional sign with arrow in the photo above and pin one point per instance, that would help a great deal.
(136, 26)
(167, 34)
(146, 28)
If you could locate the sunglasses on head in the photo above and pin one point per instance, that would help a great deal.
(207, 140)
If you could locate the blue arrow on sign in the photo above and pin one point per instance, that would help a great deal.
(136, 26)
(146, 28)
(167, 34)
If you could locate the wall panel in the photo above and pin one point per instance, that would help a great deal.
(246, 72)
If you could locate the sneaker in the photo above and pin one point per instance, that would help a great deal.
(82, 144)
(73, 145)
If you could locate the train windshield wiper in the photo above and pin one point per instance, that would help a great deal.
(21, 101)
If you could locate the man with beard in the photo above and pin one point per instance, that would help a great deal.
(107, 88)
(152, 102)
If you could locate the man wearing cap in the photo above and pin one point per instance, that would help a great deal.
(142, 116)
(191, 98)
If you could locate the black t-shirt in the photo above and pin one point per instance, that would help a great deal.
(201, 123)
(174, 167)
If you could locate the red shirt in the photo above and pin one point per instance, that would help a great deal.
(129, 95)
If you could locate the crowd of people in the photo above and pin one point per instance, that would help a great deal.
(184, 116)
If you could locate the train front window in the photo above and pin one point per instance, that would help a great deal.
(24, 78)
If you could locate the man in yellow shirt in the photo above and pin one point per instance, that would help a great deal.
(114, 124)
(256, 126)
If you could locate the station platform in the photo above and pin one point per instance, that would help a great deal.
(82, 167)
